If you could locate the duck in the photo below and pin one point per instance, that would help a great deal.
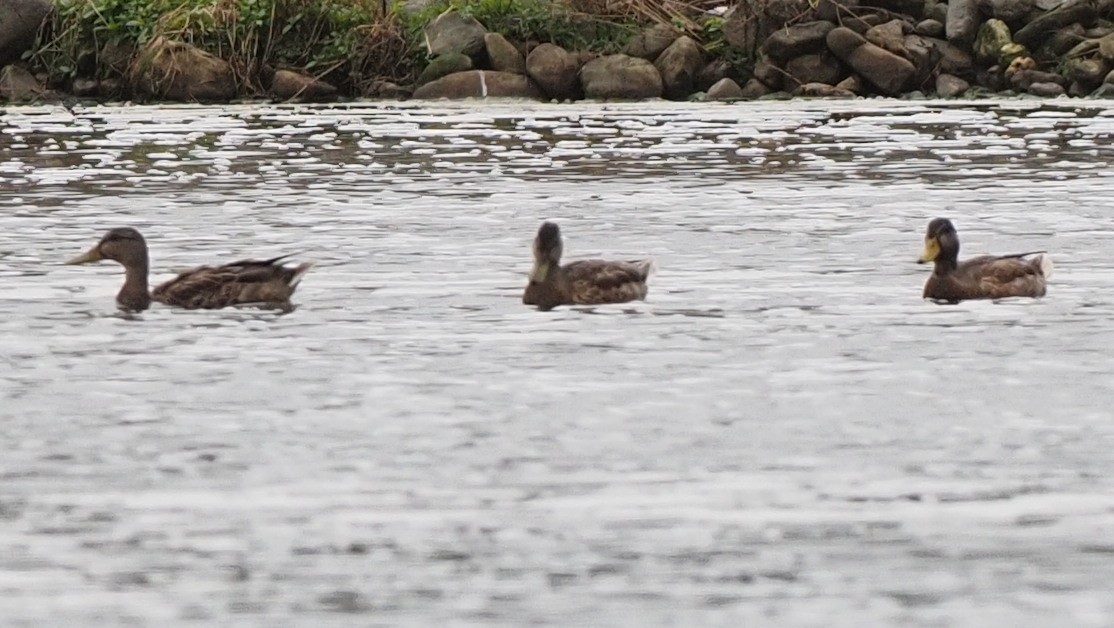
(582, 282)
(983, 277)
(267, 283)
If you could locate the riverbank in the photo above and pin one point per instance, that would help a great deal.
(224, 50)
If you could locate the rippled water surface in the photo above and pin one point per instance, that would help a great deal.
(783, 434)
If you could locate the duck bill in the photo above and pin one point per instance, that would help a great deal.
(931, 250)
(88, 257)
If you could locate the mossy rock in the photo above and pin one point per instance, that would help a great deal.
(444, 65)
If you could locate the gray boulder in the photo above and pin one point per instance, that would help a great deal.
(725, 89)
(678, 65)
(176, 70)
(883, 69)
(1046, 90)
(963, 21)
(949, 86)
(651, 41)
(796, 40)
(444, 65)
(555, 71)
(711, 73)
(755, 89)
(1006, 10)
(479, 84)
(820, 67)
(502, 54)
(18, 85)
(929, 28)
(452, 31)
(768, 73)
(620, 77)
(890, 36)
(290, 85)
(1070, 12)
(19, 24)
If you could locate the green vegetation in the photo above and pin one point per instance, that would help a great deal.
(350, 43)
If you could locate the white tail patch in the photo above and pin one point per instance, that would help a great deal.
(300, 272)
(1046, 266)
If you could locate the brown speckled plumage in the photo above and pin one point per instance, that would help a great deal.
(983, 277)
(583, 282)
(245, 282)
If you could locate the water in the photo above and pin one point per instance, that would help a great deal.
(784, 434)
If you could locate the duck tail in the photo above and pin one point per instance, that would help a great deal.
(1045, 262)
(646, 266)
(299, 272)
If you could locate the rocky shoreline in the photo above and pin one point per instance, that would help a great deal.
(758, 49)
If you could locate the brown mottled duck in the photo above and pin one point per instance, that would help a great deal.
(583, 282)
(247, 282)
(983, 277)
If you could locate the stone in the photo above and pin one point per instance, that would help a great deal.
(1082, 11)
(929, 28)
(19, 25)
(815, 68)
(1022, 79)
(175, 70)
(452, 31)
(913, 8)
(821, 90)
(444, 65)
(937, 11)
(949, 86)
(414, 7)
(862, 23)
(991, 78)
(924, 55)
(755, 89)
(1088, 72)
(963, 22)
(85, 88)
(725, 89)
(678, 66)
(797, 40)
(712, 72)
(1046, 90)
(1106, 91)
(1109, 77)
(555, 71)
(954, 60)
(768, 73)
(885, 70)
(502, 54)
(1006, 10)
(620, 77)
(1106, 47)
(290, 85)
(889, 36)
(1060, 42)
(650, 42)
(18, 85)
(1079, 90)
(479, 84)
(387, 90)
(993, 36)
(851, 84)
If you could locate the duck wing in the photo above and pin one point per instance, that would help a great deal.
(241, 282)
(600, 281)
(1001, 276)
